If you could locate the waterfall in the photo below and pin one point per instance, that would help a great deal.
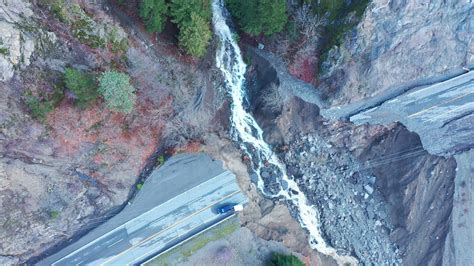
(249, 136)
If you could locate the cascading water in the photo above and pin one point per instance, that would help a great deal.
(247, 133)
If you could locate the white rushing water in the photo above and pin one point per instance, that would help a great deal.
(247, 133)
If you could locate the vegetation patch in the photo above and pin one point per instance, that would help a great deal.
(154, 14)
(343, 16)
(95, 34)
(184, 251)
(117, 43)
(96, 126)
(54, 214)
(4, 51)
(82, 85)
(41, 105)
(217, 233)
(85, 29)
(160, 160)
(279, 259)
(117, 91)
(259, 17)
(59, 10)
(195, 36)
(39, 108)
(192, 17)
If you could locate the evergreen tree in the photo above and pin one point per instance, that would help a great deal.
(181, 10)
(117, 91)
(154, 13)
(195, 35)
(259, 16)
(83, 86)
(279, 259)
(193, 20)
(273, 15)
(249, 17)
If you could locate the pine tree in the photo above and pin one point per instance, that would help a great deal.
(181, 10)
(259, 16)
(250, 18)
(117, 91)
(273, 16)
(194, 36)
(83, 86)
(193, 20)
(154, 14)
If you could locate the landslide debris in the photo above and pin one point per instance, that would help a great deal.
(372, 183)
(353, 215)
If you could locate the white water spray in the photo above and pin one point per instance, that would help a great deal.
(249, 135)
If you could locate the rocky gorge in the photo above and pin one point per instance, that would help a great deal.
(382, 197)
(376, 179)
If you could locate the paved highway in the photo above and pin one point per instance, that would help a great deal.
(176, 201)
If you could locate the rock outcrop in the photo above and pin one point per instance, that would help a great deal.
(457, 250)
(399, 41)
(376, 180)
(417, 187)
(19, 36)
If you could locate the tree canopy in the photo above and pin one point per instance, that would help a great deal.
(257, 17)
(193, 19)
(279, 259)
(83, 86)
(181, 10)
(117, 91)
(195, 35)
(154, 14)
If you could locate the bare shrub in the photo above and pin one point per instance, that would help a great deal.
(179, 132)
(188, 125)
(308, 22)
(283, 49)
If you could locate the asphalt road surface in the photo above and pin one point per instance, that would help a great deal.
(176, 201)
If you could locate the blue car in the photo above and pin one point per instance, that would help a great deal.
(229, 207)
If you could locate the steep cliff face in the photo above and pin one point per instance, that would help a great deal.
(457, 249)
(399, 41)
